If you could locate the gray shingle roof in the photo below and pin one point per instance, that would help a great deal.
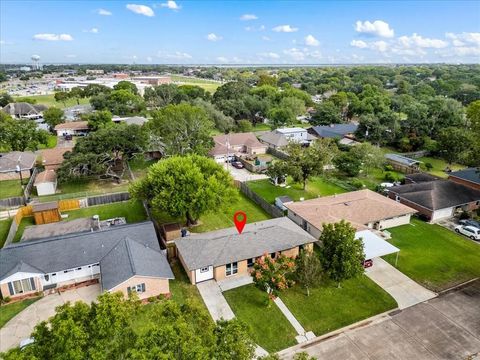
(75, 250)
(401, 159)
(225, 246)
(333, 131)
(9, 161)
(274, 138)
(470, 174)
(20, 108)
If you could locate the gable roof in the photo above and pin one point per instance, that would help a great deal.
(357, 207)
(54, 156)
(421, 177)
(225, 246)
(75, 250)
(20, 108)
(238, 139)
(471, 174)
(435, 195)
(402, 159)
(45, 176)
(9, 161)
(73, 125)
(274, 138)
(334, 130)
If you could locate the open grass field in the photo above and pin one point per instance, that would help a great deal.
(8, 311)
(268, 326)
(49, 100)
(11, 188)
(439, 166)
(315, 187)
(208, 85)
(433, 256)
(329, 308)
(4, 228)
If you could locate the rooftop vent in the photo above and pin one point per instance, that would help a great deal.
(347, 203)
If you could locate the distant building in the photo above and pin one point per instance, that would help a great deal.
(16, 160)
(95, 72)
(153, 80)
(469, 177)
(281, 137)
(77, 128)
(236, 144)
(403, 163)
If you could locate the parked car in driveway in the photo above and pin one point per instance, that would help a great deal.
(237, 165)
(470, 231)
(470, 222)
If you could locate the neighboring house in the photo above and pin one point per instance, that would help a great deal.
(53, 158)
(364, 209)
(46, 182)
(125, 258)
(420, 177)
(436, 200)
(15, 160)
(72, 128)
(236, 144)
(403, 163)
(344, 132)
(226, 253)
(23, 110)
(280, 202)
(281, 137)
(132, 120)
(468, 177)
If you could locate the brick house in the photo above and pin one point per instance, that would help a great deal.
(236, 144)
(469, 177)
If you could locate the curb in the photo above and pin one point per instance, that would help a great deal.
(457, 287)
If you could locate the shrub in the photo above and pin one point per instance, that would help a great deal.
(428, 166)
(152, 299)
(388, 167)
(357, 184)
(464, 215)
(6, 299)
(390, 177)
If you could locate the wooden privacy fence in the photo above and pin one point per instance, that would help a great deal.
(12, 202)
(108, 198)
(69, 204)
(257, 199)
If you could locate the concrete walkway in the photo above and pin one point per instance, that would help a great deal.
(403, 289)
(302, 334)
(235, 282)
(21, 326)
(213, 298)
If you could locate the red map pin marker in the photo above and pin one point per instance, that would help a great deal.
(240, 219)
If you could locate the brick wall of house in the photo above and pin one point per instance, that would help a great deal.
(421, 210)
(6, 293)
(153, 286)
(220, 274)
(190, 274)
(15, 176)
(464, 182)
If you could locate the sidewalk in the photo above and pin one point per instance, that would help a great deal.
(302, 336)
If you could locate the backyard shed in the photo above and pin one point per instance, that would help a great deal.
(46, 183)
(403, 163)
(46, 213)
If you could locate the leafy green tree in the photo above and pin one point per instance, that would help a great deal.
(20, 135)
(161, 95)
(5, 99)
(348, 163)
(229, 345)
(77, 93)
(279, 117)
(186, 187)
(231, 90)
(119, 102)
(273, 275)
(295, 105)
(371, 156)
(53, 116)
(223, 123)
(62, 96)
(183, 128)
(326, 113)
(126, 85)
(342, 255)
(98, 119)
(473, 117)
(309, 270)
(244, 126)
(190, 93)
(265, 79)
(455, 144)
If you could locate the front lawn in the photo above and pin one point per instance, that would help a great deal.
(316, 187)
(439, 166)
(434, 256)
(220, 219)
(4, 228)
(51, 143)
(10, 310)
(11, 188)
(181, 288)
(268, 326)
(329, 308)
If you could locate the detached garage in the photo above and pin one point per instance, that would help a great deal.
(46, 183)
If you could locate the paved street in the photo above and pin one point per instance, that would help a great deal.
(446, 327)
(404, 290)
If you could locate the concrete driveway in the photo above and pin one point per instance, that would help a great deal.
(447, 327)
(215, 301)
(243, 174)
(403, 289)
(21, 326)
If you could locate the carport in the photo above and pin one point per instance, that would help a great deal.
(374, 246)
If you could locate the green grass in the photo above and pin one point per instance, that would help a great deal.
(315, 187)
(221, 219)
(208, 85)
(329, 308)
(4, 228)
(434, 256)
(11, 188)
(26, 221)
(51, 143)
(10, 310)
(439, 166)
(268, 326)
(181, 288)
(139, 166)
(49, 100)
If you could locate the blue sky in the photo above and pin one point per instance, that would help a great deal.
(240, 32)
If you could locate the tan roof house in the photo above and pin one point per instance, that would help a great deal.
(53, 158)
(364, 209)
(72, 128)
(236, 144)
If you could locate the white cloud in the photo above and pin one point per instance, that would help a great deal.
(359, 44)
(269, 55)
(376, 28)
(177, 55)
(311, 41)
(247, 17)
(285, 29)
(380, 46)
(214, 37)
(141, 9)
(103, 12)
(170, 4)
(418, 41)
(222, 59)
(149, 59)
(53, 37)
(302, 54)
(92, 30)
(464, 38)
(253, 28)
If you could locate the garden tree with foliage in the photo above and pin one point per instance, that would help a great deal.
(5, 99)
(97, 119)
(279, 117)
(76, 93)
(161, 95)
(53, 116)
(273, 275)
(222, 122)
(123, 101)
(186, 187)
(101, 153)
(309, 270)
(349, 163)
(183, 129)
(473, 117)
(371, 156)
(303, 163)
(326, 113)
(126, 85)
(456, 145)
(265, 79)
(62, 96)
(341, 254)
(96, 89)
(278, 172)
(110, 328)
(244, 126)
(20, 135)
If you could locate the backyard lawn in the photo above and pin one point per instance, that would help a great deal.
(439, 166)
(315, 187)
(51, 143)
(11, 188)
(223, 218)
(26, 221)
(49, 100)
(10, 310)
(139, 166)
(434, 256)
(268, 326)
(4, 228)
(329, 308)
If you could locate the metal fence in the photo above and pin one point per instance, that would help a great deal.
(269, 208)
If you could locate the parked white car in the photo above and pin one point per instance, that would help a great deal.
(470, 231)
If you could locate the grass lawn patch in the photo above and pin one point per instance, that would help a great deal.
(139, 166)
(10, 310)
(51, 143)
(329, 308)
(11, 188)
(49, 100)
(26, 221)
(434, 256)
(132, 211)
(181, 288)
(439, 166)
(268, 326)
(316, 187)
(4, 228)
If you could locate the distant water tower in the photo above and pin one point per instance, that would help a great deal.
(35, 62)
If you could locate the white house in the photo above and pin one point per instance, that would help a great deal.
(46, 182)
(294, 134)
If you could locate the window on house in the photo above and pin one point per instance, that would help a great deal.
(140, 288)
(21, 286)
(250, 262)
(231, 269)
(204, 269)
(79, 268)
